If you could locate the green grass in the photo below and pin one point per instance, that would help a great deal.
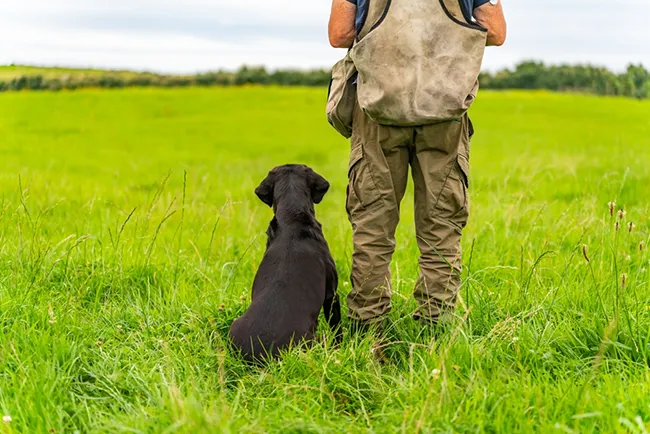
(130, 234)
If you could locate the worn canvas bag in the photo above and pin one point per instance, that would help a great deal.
(418, 61)
(342, 96)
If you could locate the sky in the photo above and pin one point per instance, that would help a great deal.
(187, 36)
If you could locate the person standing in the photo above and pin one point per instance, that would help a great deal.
(418, 64)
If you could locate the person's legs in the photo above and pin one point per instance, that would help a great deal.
(378, 173)
(440, 175)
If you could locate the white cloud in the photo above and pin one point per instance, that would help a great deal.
(193, 35)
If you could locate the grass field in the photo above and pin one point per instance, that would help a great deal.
(130, 234)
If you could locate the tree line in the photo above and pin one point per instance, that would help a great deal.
(633, 83)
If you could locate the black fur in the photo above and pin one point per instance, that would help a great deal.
(297, 276)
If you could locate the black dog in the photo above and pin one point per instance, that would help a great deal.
(297, 276)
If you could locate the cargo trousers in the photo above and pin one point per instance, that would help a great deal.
(380, 157)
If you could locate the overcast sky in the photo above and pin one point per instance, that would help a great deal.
(197, 35)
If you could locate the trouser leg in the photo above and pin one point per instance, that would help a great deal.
(378, 174)
(440, 168)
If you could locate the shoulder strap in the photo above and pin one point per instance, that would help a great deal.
(373, 13)
(454, 8)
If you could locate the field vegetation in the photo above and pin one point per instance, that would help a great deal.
(130, 235)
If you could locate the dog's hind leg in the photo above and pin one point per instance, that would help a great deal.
(332, 304)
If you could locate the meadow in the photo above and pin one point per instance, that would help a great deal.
(130, 234)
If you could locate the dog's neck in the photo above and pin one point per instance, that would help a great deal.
(295, 207)
(290, 214)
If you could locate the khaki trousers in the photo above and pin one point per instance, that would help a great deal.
(380, 157)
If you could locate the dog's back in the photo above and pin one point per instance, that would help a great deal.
(288, 294)
(297, 276)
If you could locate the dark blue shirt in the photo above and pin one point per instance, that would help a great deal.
(467, 6)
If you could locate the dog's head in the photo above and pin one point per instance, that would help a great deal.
(291, 178)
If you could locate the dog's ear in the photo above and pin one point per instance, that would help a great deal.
(265, 190)
(319, 186)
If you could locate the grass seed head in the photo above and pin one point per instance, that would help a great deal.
(612, 208)
(50, 312)
(617, 226)
(584, 252)
(641, 246)
(623, 280)
(631, 226)
(621, 214)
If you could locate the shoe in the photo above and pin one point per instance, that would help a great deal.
(426, 321)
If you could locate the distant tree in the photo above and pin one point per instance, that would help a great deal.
(111, 81)
(35, 82)
(209, 79)
(247, 75)
(54, 84)
(18, 83)
(139, 81)
(639, 78)
(579, 78)
(171, 81)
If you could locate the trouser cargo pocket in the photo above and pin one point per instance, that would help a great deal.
(362, 191)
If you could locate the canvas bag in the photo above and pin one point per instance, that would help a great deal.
(342, 96)
(418, 61)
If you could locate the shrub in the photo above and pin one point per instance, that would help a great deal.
(54, 84)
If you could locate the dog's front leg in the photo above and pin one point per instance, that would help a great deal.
(332, 304)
